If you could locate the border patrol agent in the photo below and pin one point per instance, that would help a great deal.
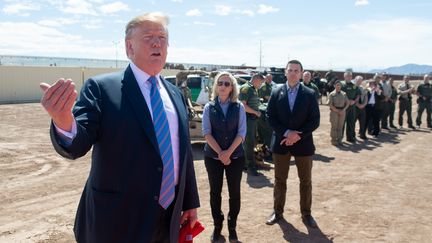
(250, 99)
(264, 129)
(353, 94)
(424, 92)
(338, 103)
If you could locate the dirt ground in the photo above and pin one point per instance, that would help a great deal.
(373, 191)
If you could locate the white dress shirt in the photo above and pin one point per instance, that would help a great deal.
(171, 113)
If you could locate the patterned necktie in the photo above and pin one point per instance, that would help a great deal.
(161, 127)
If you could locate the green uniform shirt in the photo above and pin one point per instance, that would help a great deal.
(425, 90)
(187, 93)
(403, 87)
(314, 88)
(249, 94)
(350, 90)
(265, 90)
(337, 99)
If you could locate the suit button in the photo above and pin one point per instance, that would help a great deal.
(226, 138)
(156, 198)
(159, 169)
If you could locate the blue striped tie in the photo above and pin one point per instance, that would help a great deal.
(161, 127)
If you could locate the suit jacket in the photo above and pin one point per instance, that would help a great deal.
(305, 118)
(379, 100)
(120, 198)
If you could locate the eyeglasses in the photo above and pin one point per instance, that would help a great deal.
(220, 83)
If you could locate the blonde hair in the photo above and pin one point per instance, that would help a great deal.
(155, 17)
(235, 90)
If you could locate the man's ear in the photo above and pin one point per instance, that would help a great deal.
(128, 47)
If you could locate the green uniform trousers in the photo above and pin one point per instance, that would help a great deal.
(392, 108)
(249, 143)
(264, 131)
(350, 118)
(405, 105)
(424, 105)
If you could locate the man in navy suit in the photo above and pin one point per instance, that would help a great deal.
(139, 189)
(293, 113)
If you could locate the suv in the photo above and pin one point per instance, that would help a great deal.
(171, 79)
(278, 75)
(200, 86)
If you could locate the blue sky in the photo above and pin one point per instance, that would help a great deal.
(339, 34)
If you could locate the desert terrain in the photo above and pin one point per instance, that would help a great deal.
(377, 190)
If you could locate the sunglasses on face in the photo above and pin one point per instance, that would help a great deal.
(220, 83)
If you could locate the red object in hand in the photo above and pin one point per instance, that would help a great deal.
(187, 233)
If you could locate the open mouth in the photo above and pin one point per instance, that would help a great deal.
(156, 54)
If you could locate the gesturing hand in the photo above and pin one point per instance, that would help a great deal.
(58, 100)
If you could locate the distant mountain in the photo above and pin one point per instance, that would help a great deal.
(406, 69)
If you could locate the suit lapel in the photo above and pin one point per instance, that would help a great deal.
(298, 97)
(284, 97)
(133, 93)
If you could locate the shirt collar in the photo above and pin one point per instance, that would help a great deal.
(142, 76)
(293, 89)
(223, 103)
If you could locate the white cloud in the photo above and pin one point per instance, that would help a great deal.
(92, 24)
(265, 9)
(37, 40)
(361, 2)
(114, 7)
(78, 7)
(247, 12)
(371, 44)
(177, 1)
(56, 22)
(20, 8)
(203, 23)
(223, 10)
(193, 13)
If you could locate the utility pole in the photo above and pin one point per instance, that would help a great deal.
(116, 51)
(260, 55)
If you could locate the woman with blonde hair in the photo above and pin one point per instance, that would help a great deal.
(224, 129)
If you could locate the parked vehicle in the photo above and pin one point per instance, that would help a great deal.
(171, 79)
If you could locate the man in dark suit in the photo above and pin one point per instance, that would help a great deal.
(293, 114)
(141, 185)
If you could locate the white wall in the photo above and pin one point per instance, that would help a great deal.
(20, 84)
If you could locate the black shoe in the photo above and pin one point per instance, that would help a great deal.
(216, 234)
(363, 137)
(274, 218)
(232, 236)
(308, 220)
(393, 126)
(412, 127)
(386, 128)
